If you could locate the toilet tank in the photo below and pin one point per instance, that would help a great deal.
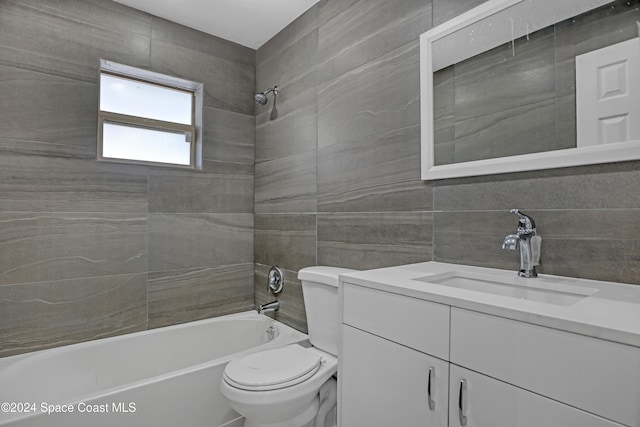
(320, 293)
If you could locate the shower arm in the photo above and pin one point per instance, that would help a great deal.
(271, 89)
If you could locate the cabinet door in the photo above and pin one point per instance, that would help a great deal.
(480, 401)
(386, 384)
(594, 375)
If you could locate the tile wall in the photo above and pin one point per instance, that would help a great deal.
(91, 249)
(338, 174)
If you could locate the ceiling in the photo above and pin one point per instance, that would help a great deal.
(250, 23)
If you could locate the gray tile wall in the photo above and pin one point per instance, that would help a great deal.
(94, 249)
(90, 249)
(338, 174)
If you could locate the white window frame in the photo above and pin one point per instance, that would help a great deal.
(193, 131)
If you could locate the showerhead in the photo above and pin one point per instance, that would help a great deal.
(261, 98)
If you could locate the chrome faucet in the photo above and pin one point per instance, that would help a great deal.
(270, 306)
(525, 239)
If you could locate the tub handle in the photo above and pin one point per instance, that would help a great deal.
(275, 280)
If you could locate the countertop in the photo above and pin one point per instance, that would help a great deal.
(611, 312)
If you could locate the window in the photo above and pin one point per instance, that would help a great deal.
(149, 118)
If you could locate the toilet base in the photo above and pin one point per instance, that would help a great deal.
(320, 413)
(304, 419)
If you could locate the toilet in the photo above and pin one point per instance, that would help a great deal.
(293, 386)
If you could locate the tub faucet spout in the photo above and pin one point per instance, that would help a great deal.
(270, 306)
(522, 240)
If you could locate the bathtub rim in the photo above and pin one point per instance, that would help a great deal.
(13, 359)
(288, 334)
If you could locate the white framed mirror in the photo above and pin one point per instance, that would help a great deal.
(542, 116)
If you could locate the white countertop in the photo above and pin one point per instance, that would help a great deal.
(612, 312)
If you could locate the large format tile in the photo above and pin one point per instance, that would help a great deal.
(285, 66)
(200, 192)
(566, 134)
(595, 244)
(285, 240)
(51, 184)
(292, 310)
(378, 97)
(380, 173)
(228, 136)
(519, 130)
(41, 247)
(67, 38)
(444, 115)
(373, 240)
(355, 33)
(475, 238)
(591, 244)
(226, 69)
(295, 130)
(74, 255)
(589, 187)
(498, 81)
(180, 241)
(178, 296)
(47, 108)
(34, 316)
(286, 185)
(504, 103)
(228, 85)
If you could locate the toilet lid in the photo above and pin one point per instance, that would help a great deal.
(273, 369)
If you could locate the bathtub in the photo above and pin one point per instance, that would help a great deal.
(161, 377)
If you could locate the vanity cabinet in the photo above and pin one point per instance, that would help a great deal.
(386, 375)
(486, 371)
(388, 384)
(594, 375)
(478, 400)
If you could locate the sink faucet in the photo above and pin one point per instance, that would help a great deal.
(525, 239)
(270, 306)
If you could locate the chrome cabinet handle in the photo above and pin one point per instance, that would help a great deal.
(462, 402)
(432, 403)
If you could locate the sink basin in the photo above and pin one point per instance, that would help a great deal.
(548, 290)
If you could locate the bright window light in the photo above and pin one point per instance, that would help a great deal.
(136, 98)
(148, 118)
(147, 145)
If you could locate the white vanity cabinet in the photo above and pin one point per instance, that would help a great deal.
(476, 400)
(593, 375)
(386, 378)
(487, 371)
(388, 384)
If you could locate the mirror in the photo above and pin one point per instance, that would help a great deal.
(517, 85)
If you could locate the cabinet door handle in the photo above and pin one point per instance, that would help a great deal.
(432, 403)
(462, 402)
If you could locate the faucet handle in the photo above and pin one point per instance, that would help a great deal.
(275, 281)
(525, 221)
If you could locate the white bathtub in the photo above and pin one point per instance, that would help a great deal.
(162, 377)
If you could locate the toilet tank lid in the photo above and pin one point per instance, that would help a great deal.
(323, 274)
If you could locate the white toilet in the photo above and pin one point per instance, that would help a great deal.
(293, 386)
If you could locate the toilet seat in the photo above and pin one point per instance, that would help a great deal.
(273, 369)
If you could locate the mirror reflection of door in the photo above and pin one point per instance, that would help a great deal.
(608, 94)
